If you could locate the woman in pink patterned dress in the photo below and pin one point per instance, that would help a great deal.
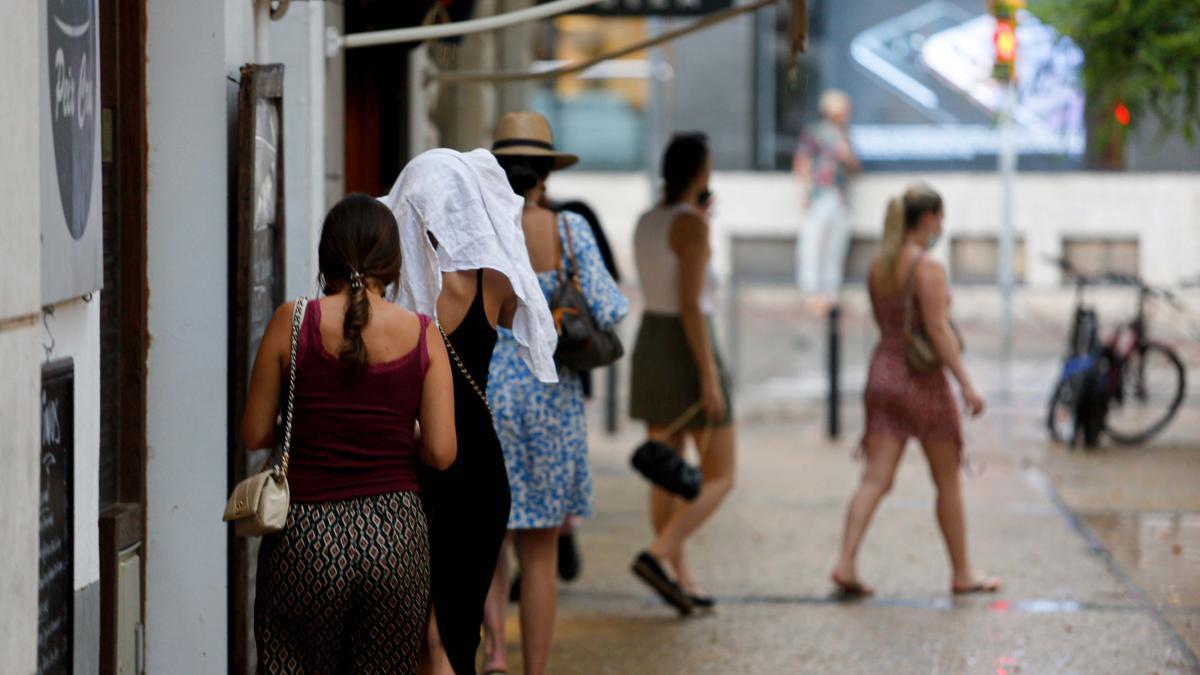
(903, 404)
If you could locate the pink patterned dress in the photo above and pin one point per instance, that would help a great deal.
(899, 402)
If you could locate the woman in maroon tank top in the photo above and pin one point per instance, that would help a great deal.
(902, 404)
(345, 586)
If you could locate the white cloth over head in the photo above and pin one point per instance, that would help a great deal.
(466, 202)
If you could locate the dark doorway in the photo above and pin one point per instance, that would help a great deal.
(123, 341)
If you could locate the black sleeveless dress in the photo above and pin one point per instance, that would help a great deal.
(467, 504)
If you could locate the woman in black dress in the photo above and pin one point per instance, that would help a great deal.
(462, 535)
(465, 263)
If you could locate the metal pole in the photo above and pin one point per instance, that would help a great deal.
(654, 105)
(1008, 167)
(835, 357)
(262, 30)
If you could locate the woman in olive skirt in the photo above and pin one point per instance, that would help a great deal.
(676, 365)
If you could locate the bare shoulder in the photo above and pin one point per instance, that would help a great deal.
(931, 269)
(496, 282)
(688, 230)
(931, 275)
(540, 215)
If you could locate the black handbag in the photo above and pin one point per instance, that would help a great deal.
(661, 465)
(582, 344)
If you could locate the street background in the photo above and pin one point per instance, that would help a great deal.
(1098, 549)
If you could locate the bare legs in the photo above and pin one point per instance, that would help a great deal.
(495, 609)
(434, 660)
(943, 467)
(674, 519)
(537, 554)
(883, 455)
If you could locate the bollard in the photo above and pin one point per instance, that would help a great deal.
(833, 351)
(610, 401)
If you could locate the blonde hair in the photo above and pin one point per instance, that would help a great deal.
(903, 213)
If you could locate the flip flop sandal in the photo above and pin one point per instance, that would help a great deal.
(851, 589)
(987, 584)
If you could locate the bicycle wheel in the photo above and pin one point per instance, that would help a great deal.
(1060, 419)
(1147, 391)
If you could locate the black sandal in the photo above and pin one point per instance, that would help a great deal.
(702, 602)
(647, 568)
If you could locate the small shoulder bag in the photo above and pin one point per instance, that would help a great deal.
(259, 504)
(661, 464)
(918, 349)
(583, 344)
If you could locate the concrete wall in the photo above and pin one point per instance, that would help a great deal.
(187, 67)
(20, 375)
(1161, 209)
(298, 42)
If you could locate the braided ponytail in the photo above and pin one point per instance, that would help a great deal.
(358, 313)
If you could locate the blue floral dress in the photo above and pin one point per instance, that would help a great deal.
(541, 426)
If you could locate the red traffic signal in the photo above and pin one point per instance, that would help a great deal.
(1005, 39)
(1121, 113)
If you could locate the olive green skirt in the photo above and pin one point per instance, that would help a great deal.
(665, 381)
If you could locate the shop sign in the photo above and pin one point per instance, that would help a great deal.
(72, 245)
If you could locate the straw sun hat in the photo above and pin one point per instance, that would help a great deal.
(527, 134)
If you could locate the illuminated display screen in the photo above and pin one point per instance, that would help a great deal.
(921, 80)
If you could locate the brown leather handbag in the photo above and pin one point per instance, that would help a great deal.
(259, 504)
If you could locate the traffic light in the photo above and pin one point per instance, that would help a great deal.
(1005, 39)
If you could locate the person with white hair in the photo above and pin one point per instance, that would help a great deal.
(823, 163)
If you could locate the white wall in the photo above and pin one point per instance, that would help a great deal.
(20, 375)
(1161, 209)
(74, 331)
(298, 42)
(188, 163)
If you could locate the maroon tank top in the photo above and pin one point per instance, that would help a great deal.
(352, 434)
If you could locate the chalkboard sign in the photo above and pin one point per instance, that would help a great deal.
(56, 574)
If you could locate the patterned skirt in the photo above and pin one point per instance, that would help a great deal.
(344, 588)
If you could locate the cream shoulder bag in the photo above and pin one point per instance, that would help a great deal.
(259, 504)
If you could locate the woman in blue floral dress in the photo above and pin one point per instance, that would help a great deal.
(541, 425)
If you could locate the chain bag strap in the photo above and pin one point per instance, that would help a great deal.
(259, 504)
(281, 468)
(462, 368)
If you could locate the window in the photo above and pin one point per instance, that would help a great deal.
(763, 259)
(1099, 256)
(976, 260)
(601, 115)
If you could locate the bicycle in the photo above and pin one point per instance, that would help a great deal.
(1129, 387)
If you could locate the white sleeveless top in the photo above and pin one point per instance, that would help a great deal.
(658, 266)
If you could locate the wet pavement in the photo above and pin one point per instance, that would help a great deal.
(1100, 550)
(1069, 606)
